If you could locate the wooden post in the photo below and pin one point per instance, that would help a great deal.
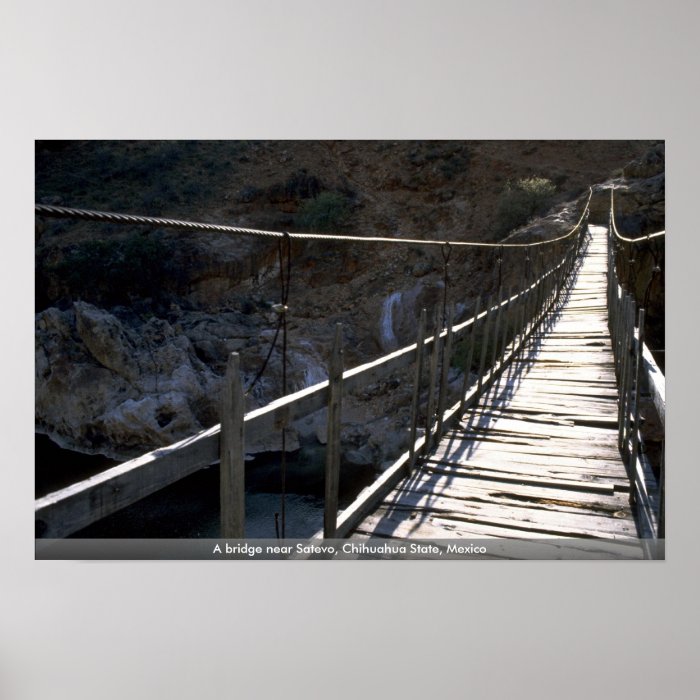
(431, 384)
(522, 301)
(231, 447)
(611, 319)
(335, 400)
(615, 328)
(609, 273)
(534, 314)
(661, 531)
(627, 331)
(556, 283)
(621, 374)
(506, 324)
(446, 358)
(619, 326)
(544, 300)
(484, 346)
(629, 345)
(540, 298)
(520, 318)
(497, 327)
(529, 315)
(415, 401)
(525, 318)
(624, 360)
(637, 385)
(470, 353)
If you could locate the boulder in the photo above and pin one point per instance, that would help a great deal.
(105, 387)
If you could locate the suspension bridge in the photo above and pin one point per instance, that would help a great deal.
(544, 440)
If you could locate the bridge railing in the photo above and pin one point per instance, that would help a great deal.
(502, 328)
(638, 377)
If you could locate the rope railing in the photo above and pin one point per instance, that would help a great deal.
(136, 219)
(618, 235)
(635, 369)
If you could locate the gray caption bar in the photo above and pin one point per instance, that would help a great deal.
(344, 550)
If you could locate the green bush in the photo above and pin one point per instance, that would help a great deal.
(325, 212)
(116, 271)
(521, 201)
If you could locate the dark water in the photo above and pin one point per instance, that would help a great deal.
(56, 468)
(190, 507)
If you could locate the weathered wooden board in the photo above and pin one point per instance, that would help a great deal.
(522, 519)
(463, 488)
(595, 482)
(531, 514)
(552, 449)
(435, 528)
(585, 466)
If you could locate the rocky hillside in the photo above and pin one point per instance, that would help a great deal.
(134, 325)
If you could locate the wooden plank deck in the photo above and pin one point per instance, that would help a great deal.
(538, 456)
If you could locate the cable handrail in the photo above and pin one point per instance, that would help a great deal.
(618, 235)
(135, 219)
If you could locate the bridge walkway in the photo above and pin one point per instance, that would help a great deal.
(538, 455)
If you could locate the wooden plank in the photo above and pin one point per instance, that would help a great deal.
(444, 370)
(604, 500)
(470, 357)
(232, 470)
(534, 404)
(484, 347)
(500, 398)
(518, 518)
(656, 382)
(432, 378)
(563, 388)
(533, 429)
(578, 467)
(534, 407)
(417, 381)
(436, 528)
(545, 478)
(497, 329)
(637, 372)
(552, 449)
(63, 512)
(335, 397)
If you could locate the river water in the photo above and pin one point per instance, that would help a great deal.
(190, 507)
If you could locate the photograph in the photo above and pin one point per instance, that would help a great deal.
(350, 349)
(347, 370)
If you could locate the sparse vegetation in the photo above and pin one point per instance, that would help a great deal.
(522, 200)
(116, 271)
(145, 177)
(327, 211)
(445, 158)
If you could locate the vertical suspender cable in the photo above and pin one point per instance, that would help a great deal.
(284, 287)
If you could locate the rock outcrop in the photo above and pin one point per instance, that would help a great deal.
(105, 387)
(640, 196)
